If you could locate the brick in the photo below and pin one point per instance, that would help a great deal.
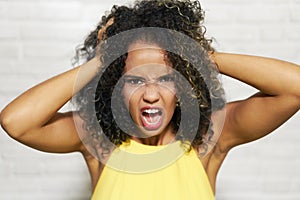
(9, 30)
(3, 10)
(10, 49)
(7, 66)
(49, 49)
(233, 32)
(14, 83)
(219, 14)
(259, 14)
(40, 70)
(266, 3)
(94, 12)
(273, 33)
(225, 2)
(44, 10)
(294, 13)
(292, 32)
(49, 30)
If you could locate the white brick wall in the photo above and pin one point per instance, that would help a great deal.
(37, 40)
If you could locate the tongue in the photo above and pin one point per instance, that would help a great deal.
(152, 120)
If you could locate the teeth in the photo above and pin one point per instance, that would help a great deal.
(151, 111)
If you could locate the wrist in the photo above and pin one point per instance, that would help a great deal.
(94, 65)
(214, 58)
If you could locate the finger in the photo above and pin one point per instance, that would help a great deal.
(103, 29)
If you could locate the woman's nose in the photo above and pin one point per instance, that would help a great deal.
(151, 93)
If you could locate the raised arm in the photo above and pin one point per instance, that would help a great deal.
(279, 97)
(32, 118)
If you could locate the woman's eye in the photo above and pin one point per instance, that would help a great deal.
(134, 81)
(168, 78)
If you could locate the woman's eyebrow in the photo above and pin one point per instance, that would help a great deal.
(166, 75)
(142, 77)
(133, 76)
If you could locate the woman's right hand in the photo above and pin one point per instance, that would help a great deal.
(103, 29)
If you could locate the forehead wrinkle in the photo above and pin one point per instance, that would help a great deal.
(139, 45)
(149, 71)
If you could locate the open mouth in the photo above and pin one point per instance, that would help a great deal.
(151, 118)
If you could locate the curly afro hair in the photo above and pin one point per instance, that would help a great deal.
(185, 17)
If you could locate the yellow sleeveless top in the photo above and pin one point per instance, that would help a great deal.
(136, 171)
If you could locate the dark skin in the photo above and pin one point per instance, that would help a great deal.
(246, 120)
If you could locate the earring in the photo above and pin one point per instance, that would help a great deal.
(178, 103)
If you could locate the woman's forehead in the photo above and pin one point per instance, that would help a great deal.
(146, 58)
(149, 71)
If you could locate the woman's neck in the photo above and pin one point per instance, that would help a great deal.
(156, 140)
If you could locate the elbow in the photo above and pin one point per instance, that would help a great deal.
(4, 121)
(9, 125)
(295, 100)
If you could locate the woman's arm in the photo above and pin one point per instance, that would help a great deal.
(32, 118)
(257, 116)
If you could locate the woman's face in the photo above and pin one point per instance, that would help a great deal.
(149, 89)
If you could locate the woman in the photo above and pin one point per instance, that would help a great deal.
(150, 78)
